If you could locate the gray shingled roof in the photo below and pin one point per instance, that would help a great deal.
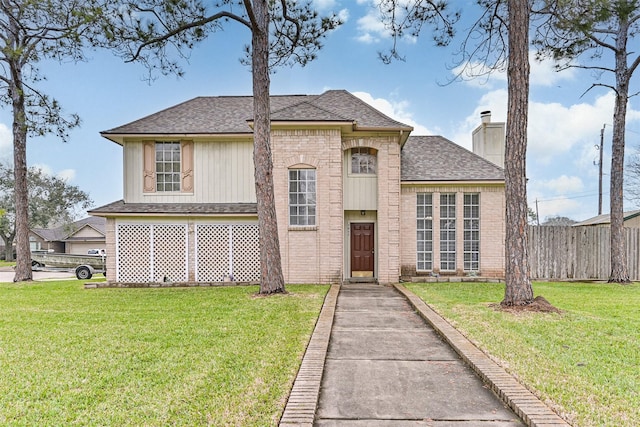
(230, 114)
(434, 158)
(65, 232)
(606, 219)
(120, 207)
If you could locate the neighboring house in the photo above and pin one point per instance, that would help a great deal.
(356, 196)
(631, 220)
(75, 238)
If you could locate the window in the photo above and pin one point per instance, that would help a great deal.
(302, 197)
(471, 232)
(168, 166)
(424, 227)
(363, 160)
(448, 231)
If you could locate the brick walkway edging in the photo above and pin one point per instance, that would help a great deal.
(301, 405)
(524, 403)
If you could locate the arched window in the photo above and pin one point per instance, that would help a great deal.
(364, 160)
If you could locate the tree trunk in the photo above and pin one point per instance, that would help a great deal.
(23, 253)
(518, 289)
(619, 272)
(271, 278)
(8, 246)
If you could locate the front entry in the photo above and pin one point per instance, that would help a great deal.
(362, 249)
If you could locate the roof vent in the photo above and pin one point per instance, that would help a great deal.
(485, 116)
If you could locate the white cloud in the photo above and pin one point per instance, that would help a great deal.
(543, 73)
(587, 158)
(6, 144)
(494, 101)
(396, 110)
(67, 175)
(343, 15)
(371, 28)
(366, 39)
(560, 152)
(561, 206)
(45, 169)
(475, 74)
(562, 196)
(563, 184)
(324, 4)
(555, 128)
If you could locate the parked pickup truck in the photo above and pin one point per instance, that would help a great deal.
(84, 266)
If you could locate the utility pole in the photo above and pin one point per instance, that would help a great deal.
(601, 149)
(537, 213)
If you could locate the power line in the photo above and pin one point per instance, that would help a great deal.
(570, 197)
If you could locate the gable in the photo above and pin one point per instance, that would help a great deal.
(89, 227)
(86, 232)
(434, 158)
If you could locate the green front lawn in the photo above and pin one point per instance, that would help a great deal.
(585, 362)
(180, 356)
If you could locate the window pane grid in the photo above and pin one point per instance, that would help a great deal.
(424, 238)
(448, 231)
(302, 197)
(472, 232)
(167, 166)
(363, 160)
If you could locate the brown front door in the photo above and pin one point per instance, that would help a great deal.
(362, 249)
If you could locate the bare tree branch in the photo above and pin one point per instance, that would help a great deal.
(195, 24)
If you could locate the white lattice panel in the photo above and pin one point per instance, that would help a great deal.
(212, 252)
(170, 253)
(246, 253)
(133, 249)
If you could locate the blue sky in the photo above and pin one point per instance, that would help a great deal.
(564, 121)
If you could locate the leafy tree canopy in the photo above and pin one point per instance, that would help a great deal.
(31, 31)
(52, 201)
(558, 220)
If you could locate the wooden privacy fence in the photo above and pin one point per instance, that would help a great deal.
(578, 252)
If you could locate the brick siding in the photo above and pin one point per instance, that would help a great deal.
(492, 233)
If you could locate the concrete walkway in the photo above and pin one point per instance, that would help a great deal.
(7, 274)
(374, 361)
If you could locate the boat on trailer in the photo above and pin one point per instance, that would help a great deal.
(84, 266)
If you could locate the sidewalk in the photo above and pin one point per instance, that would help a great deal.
(385, 366)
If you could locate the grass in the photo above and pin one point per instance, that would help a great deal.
(7, 263)
(180, 356)
(584, 362)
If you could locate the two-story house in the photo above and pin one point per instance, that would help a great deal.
(357, 196)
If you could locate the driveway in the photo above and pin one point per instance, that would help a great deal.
(7, 275)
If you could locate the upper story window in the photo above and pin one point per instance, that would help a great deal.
(302, 197)
(167, 166)
(364, 160)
